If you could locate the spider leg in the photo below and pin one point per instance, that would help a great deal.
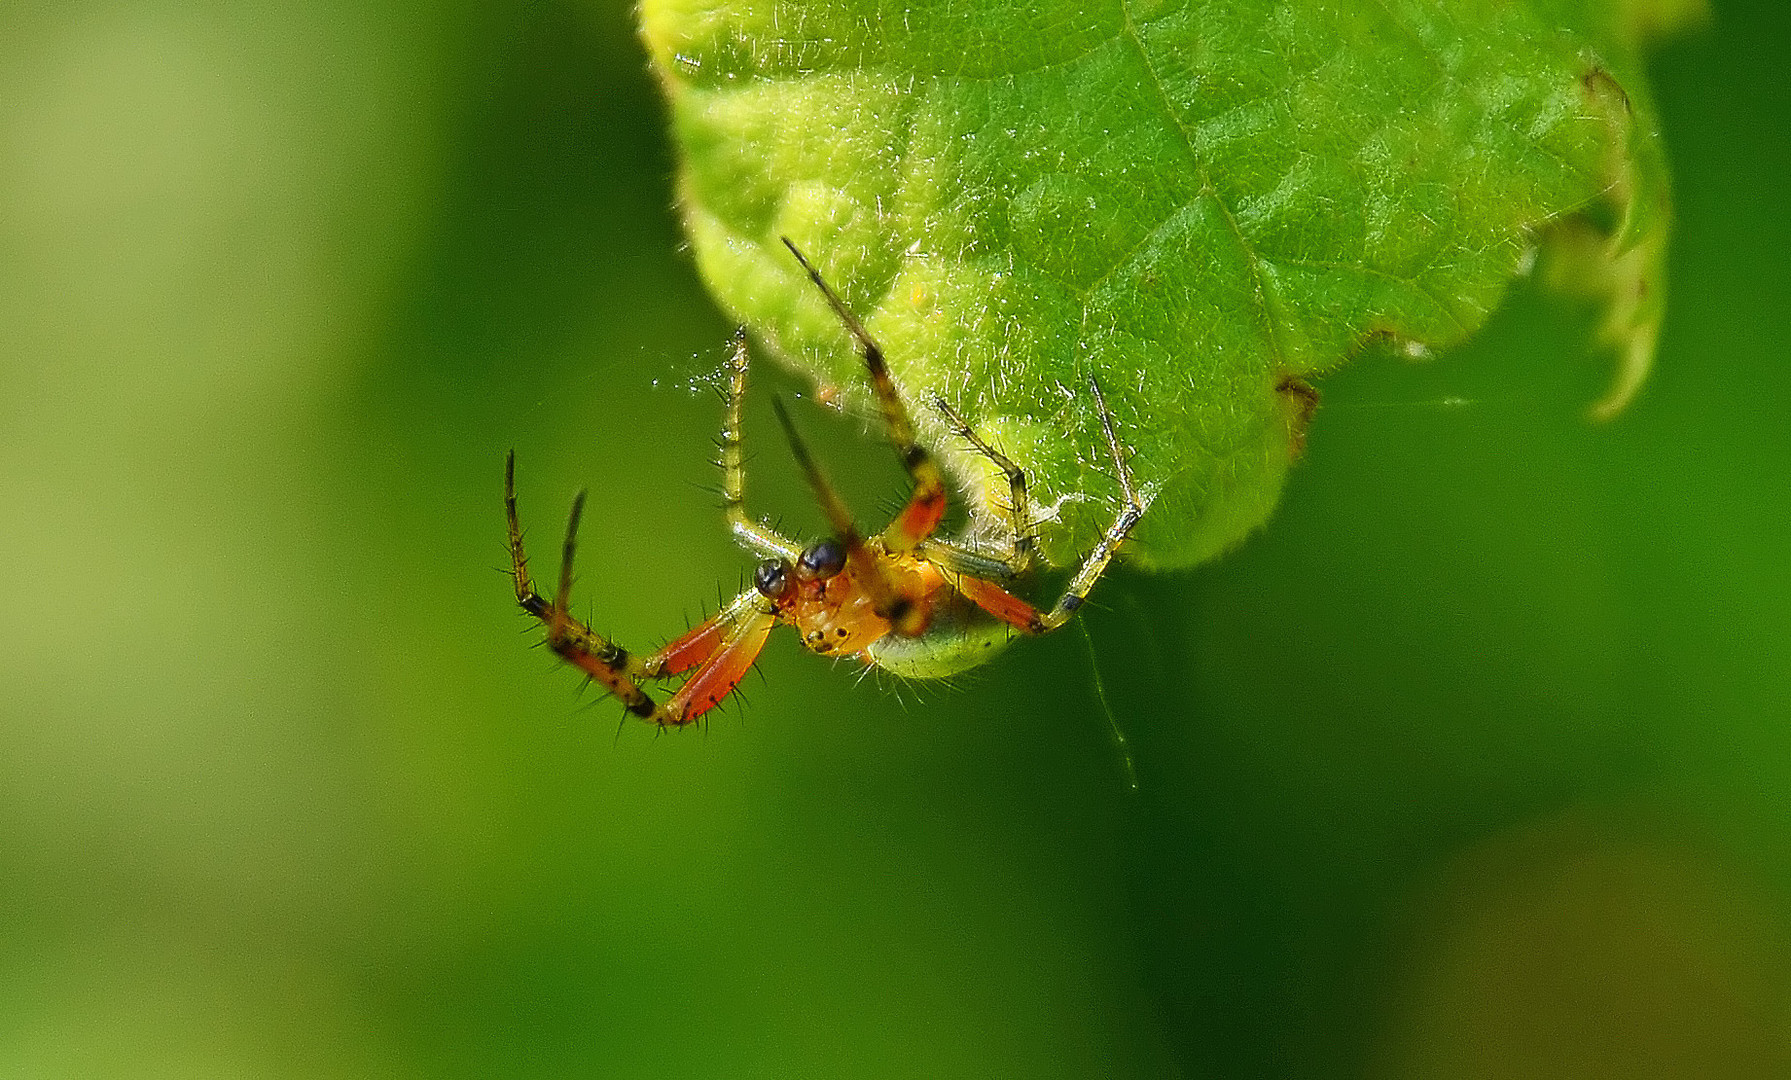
(602, 659)
(1002, 604)
(701, 642)
(1134, 504)
(1016, 612)
(958, 559)
(1019, 505)
(838, 516)
(723, 670)
(609, 664)
(926, 506)
(751, 533)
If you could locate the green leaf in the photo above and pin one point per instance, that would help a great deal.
(1198, 203)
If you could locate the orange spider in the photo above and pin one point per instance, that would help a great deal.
(902, 600)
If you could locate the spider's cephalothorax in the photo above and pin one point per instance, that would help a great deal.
(903, 600)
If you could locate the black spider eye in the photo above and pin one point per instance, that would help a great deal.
(823, 560)
(772, 578)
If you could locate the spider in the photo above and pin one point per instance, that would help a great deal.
(903, 600)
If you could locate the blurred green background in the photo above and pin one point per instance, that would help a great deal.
(1475, 763)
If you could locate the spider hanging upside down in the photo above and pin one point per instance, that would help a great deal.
(902, 600)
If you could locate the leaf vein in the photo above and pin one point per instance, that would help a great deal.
(1206, 181)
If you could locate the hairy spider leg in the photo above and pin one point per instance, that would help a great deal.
(834, 507)
(722, 649)
(751, 533)
(926, 506)
(1131, 510)
(701, 642)
(1019, 505)
(602, 659)
(997, 601)
(722, 671)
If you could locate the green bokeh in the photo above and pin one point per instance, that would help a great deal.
(1476, 762)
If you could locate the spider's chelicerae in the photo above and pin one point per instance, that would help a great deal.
(903, 600)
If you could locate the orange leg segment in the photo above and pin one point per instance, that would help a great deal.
(717, 678)
(918, 520)
(1002, 604)
(695, 646)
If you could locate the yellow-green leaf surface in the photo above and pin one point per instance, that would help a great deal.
(1194, 202)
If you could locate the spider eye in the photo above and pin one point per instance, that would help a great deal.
(772, 578)
(823, 560)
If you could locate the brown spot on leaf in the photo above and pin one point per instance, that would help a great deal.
(1304, 399)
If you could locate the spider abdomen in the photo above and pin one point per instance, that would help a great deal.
(961, 637)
